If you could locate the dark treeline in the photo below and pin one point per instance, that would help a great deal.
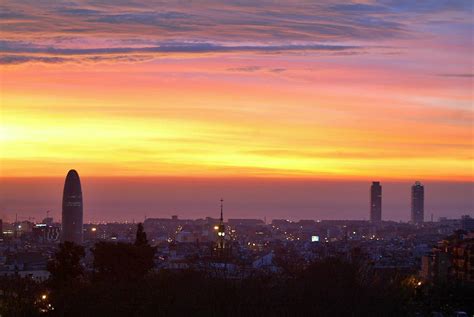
(123, 284)
(328, 288)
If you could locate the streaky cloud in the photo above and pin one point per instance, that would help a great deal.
(466, 75)
(21, 59)
(22, 47)
(14, 51)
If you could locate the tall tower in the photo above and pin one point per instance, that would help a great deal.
(376, 202)
(221, 230)
(417, 203)
(72, 209)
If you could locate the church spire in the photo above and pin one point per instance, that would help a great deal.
(222, 211)
(221, 229)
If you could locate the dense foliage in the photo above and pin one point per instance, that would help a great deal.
(65, 267)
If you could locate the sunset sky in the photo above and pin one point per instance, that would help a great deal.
(321, 90)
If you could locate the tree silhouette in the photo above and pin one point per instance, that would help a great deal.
(123, 261)
(65, 267)
(141, 239)
(67, 275)
(18, 296)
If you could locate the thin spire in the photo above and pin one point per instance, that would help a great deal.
(222, 208)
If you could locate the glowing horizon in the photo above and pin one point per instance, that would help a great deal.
(130, 90)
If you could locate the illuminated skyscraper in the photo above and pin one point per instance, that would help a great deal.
(72, 209)
(417, 203)
(376, 202)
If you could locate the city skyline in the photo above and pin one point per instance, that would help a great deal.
(339, 135)
(111, 200)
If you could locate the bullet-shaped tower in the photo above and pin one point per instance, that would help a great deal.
(72, 209)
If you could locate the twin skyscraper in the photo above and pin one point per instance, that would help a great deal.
(375, 202)
(417, 203)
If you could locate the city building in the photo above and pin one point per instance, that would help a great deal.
(462, 255)
(451, 260)
(72, 212)
(417, 203)
(376, 202)
(467, 223)
(245, 222)
(435, 266)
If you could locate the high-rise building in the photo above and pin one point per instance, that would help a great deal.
(417, 203)
(375, 202)
(72, 209)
